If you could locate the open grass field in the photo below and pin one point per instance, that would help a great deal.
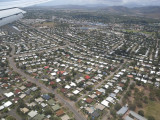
(152, 109)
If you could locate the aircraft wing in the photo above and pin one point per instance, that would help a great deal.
(10, 11)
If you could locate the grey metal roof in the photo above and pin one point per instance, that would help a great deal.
(128, 118)
(137, 116)
(122, 111)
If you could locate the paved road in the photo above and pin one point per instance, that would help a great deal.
(66, 103)
(12, 113)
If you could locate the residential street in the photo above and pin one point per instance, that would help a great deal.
(66, 103)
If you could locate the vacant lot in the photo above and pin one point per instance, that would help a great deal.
(153, 109)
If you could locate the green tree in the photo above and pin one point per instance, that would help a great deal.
(117, 106)
(73, 98)
(141, 112)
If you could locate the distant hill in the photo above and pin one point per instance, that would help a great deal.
(148, 11)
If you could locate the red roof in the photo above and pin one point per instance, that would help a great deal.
(5, 78)
(60, 72)
(130, 76)
(17, 91)
(121, 84)
(46, 67)
(16, 99)
(87, 77)
(63, 90)
(52, 83)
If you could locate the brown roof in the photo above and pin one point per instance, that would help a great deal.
(89, 100)
(29, 84)
(98, 93)
(63, 90)
(59, 112)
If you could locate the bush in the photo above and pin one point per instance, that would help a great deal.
(141, 112)
(73, 98)
(117, 106)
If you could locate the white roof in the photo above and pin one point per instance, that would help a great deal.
(143, 80)
(110, 99)
(67, 87)
(101, 90)
(76, 92)
(58, 80)
(72, 84)
(9, 94)
(116, 91)
(1, 107)
(106, 86)
(53, 74)
(7, 104)
(105, 103)
(9, 12)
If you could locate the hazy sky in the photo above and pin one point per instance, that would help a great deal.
(106, 2)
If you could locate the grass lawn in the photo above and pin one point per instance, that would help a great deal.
(152, 109)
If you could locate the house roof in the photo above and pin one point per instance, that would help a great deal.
(90, 110)
(99, 106)
(76, 92)
(56, 107)
(9, 94)
(59, 112)
(24, 110)
(122, 111)
(39, 117)
(39, 100)
(95, 114)
(105, 103)
(89, 100)
(51, 102)
(7, 104)
(46, 97)
(65, 117)
(1, 108)
(32, 113)
(63, 90)
(87, 77)
(137, 116)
